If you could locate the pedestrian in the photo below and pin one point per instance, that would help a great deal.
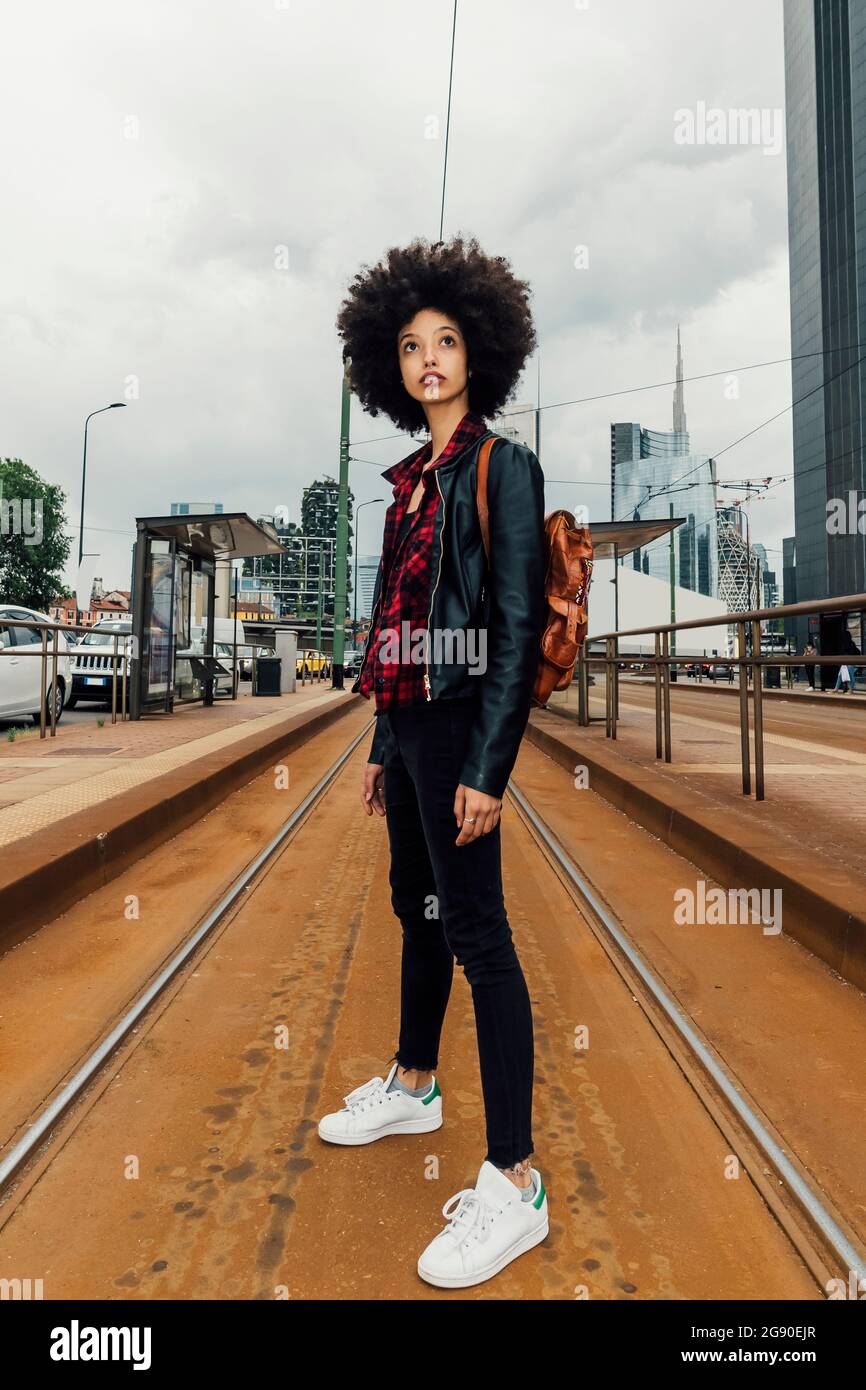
(435, 337)
(843, 680)
(850, 648)
(809, 668)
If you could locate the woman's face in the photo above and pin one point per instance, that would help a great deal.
(432, 355)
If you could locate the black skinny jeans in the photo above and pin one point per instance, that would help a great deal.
(449, 902)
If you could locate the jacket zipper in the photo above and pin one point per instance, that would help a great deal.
(433, 595)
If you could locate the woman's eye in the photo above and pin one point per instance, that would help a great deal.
(447, 338)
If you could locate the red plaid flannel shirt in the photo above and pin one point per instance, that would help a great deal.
(405, 591)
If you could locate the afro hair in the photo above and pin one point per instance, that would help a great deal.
(481, 293)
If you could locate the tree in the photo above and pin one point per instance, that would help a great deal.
(33, 546)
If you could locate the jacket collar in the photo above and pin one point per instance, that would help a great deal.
(467, 433)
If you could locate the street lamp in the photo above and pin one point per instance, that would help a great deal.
(115, 405)
(357, 528)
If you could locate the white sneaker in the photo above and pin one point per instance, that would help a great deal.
(490, 1226)
(373, 1111)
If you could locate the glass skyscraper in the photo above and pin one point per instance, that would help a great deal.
(825, 98)
(654, 470)
(652, 473)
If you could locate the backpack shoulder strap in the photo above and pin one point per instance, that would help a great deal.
(481, 491)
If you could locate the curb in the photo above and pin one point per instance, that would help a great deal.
(805, 697)
(59, 865)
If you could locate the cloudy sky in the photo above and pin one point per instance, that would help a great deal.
(156, 154)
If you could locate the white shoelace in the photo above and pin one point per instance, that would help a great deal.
(371, 1093)
(473, 1216)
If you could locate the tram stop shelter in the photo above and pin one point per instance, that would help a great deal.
(616, 539)
(613, 540)
(177, 563)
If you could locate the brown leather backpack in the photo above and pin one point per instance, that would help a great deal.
(566, 585)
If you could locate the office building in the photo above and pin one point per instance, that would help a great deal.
(520, 423)
(825, 100)
(654, 470)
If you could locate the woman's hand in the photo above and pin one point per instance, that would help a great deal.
(476, 812)
(373, 789)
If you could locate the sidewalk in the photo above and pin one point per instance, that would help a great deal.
(806, 838)
(77, 808)
(814, 759)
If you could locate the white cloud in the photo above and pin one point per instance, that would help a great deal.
(257, 126)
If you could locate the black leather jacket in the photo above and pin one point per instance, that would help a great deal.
(506, 607)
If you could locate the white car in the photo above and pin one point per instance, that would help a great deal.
(93, 661)
(21, 669)
(246, 659)
(223, 685)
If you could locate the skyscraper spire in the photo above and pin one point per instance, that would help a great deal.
(679, 402)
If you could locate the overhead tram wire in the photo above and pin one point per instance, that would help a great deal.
(705, 376)
(447, 122)
(774, 480)
(765, 481)
(659, 385)
(628, 391)
(353, 458)
(820, 387)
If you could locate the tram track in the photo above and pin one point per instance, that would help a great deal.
(814, 1229)
(817, 1231)
(26, 1147)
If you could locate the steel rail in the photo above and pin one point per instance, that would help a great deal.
(810, 1203)
(29, 1143)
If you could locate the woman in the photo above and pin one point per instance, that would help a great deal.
(809, 667)
(437, 337)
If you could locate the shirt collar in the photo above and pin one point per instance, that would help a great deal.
(470, 427)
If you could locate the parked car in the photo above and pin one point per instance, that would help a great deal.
(21, 671)
(313, 664)
(223, 685)
(93, 658)
(245, 662)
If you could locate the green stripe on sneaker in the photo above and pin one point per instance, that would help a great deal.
(540, 1198)
(425, 1100)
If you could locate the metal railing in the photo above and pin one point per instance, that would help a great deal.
(749, 663)
(315, 665)
(54, 654)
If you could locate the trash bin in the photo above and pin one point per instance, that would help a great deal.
(267, 681)
(772, 677)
